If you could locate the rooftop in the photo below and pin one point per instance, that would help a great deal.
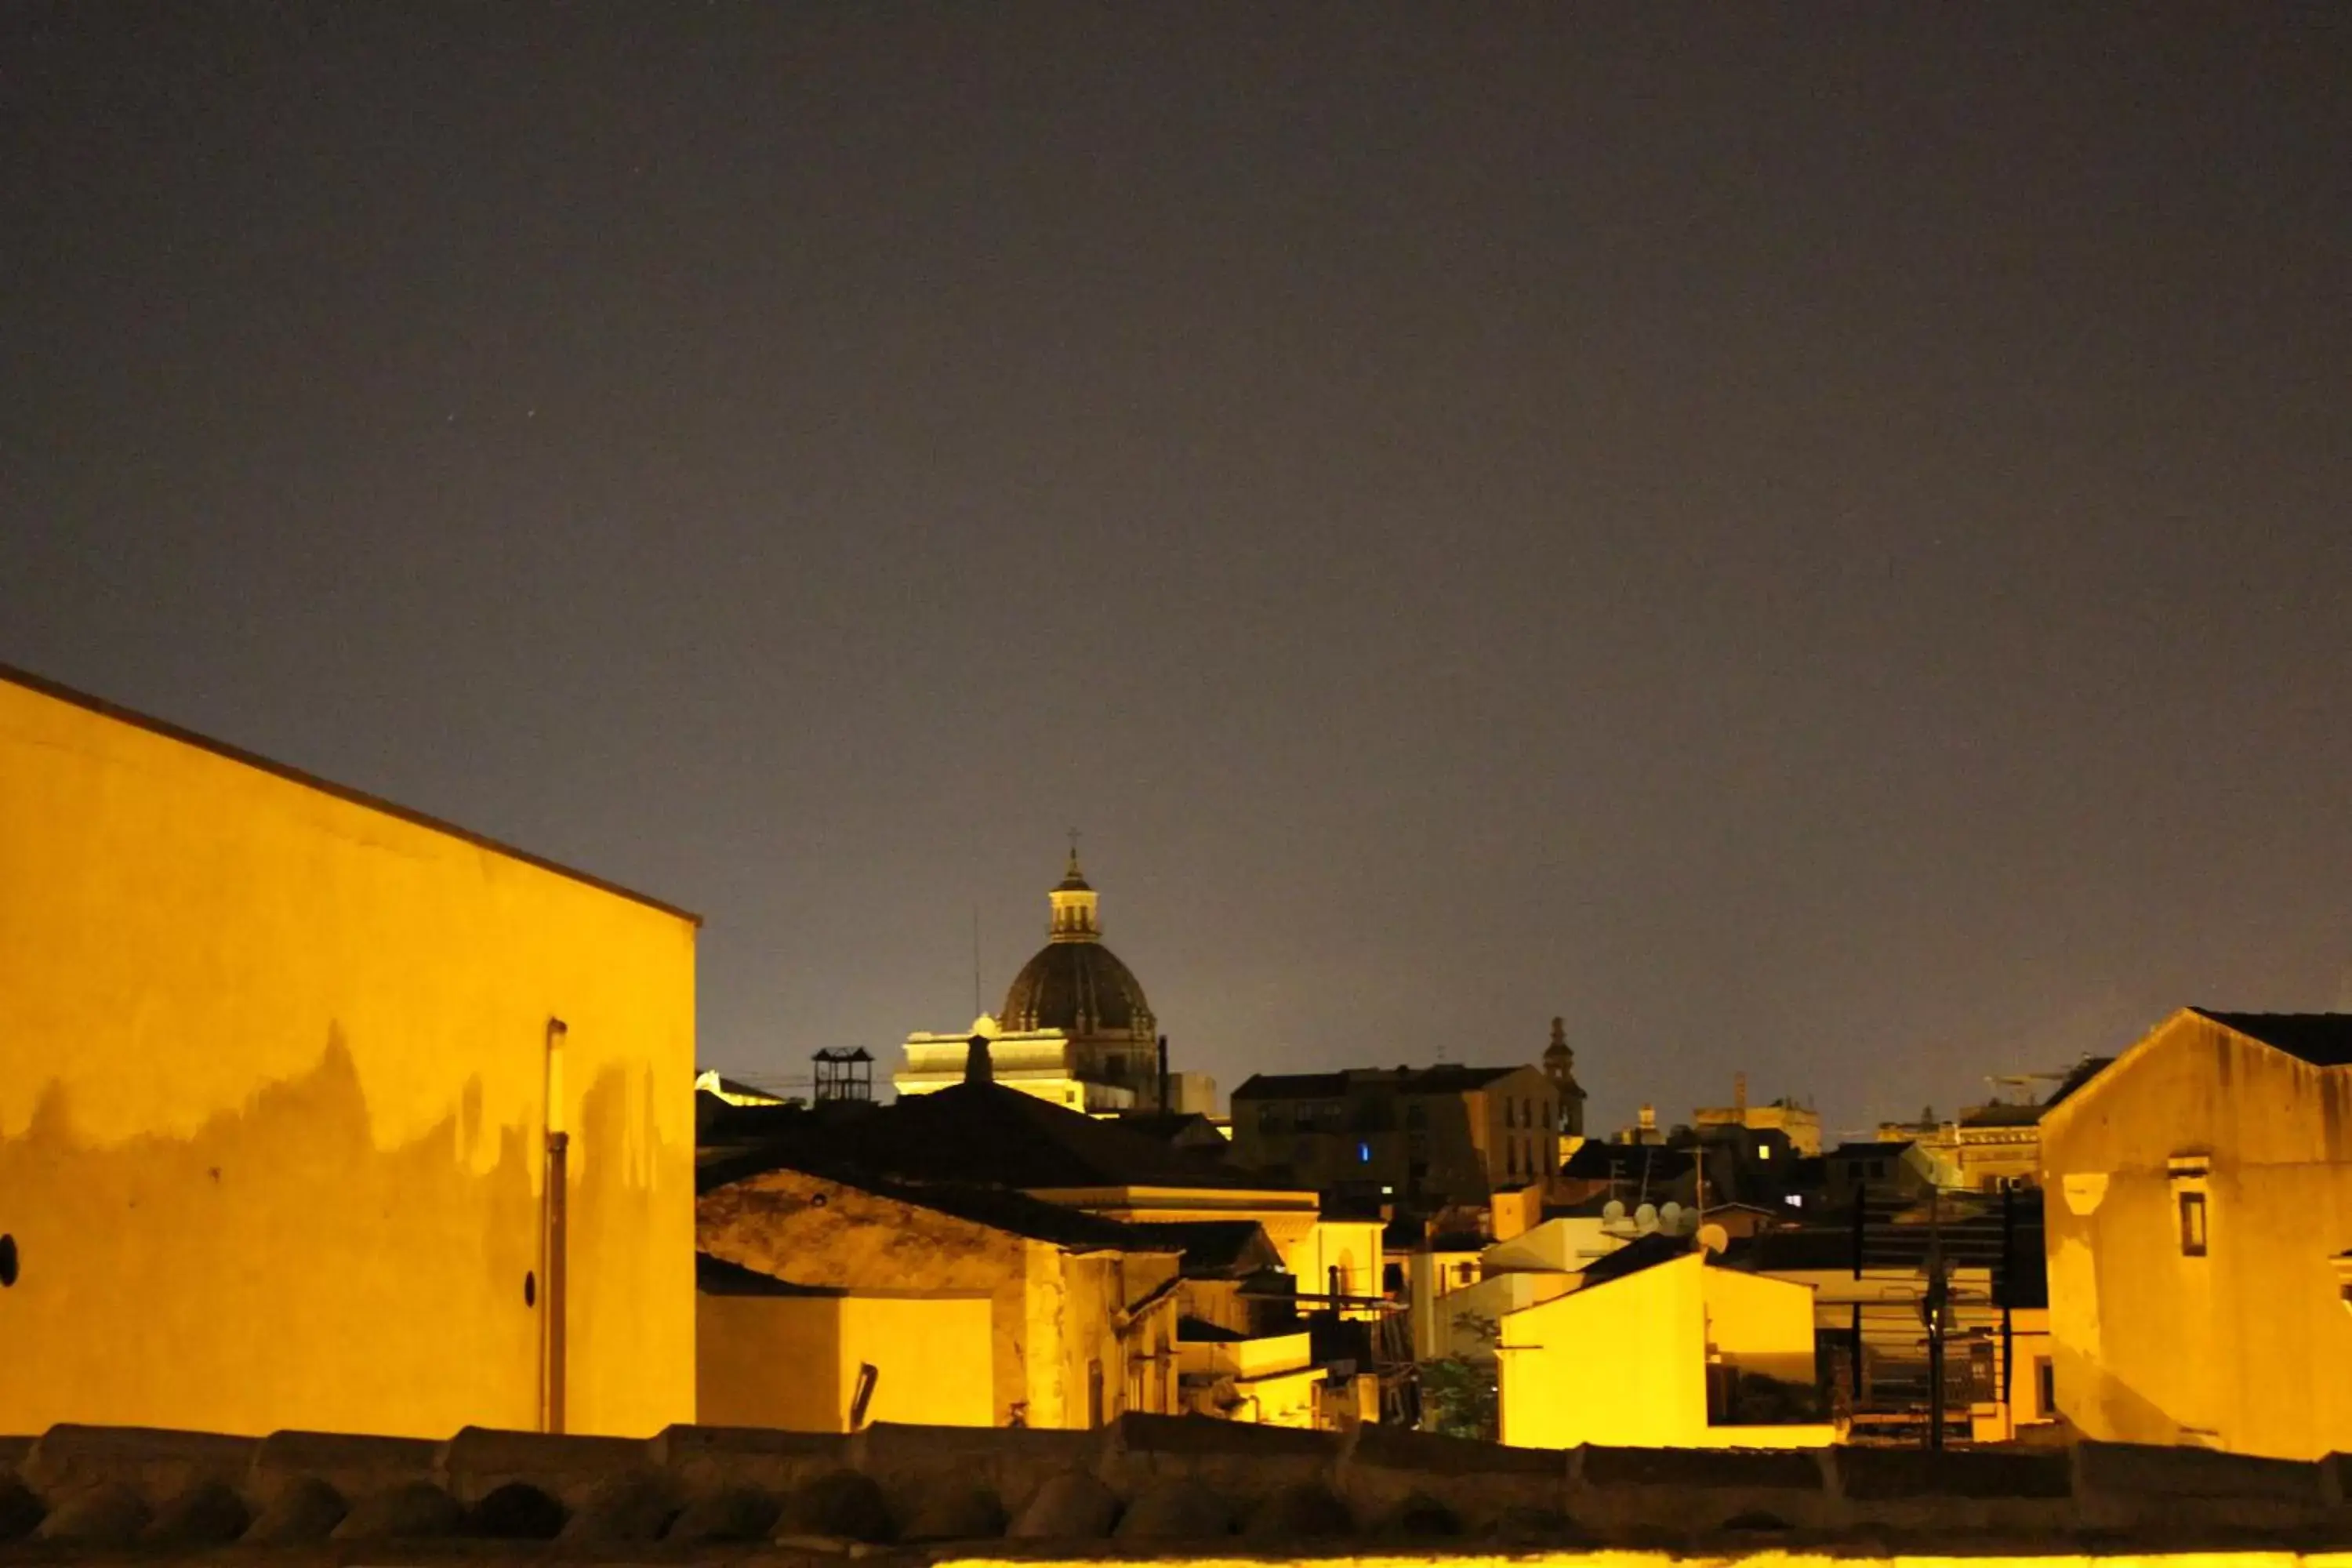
(1445, 1078)
(2323, 1039)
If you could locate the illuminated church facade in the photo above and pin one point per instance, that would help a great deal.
(1075, 1028)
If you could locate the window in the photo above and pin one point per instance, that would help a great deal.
(1363, 1153)
(2045, 1388)
(1763, 1150)
(2192, 1225)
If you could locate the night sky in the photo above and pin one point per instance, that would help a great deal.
(1811, 540)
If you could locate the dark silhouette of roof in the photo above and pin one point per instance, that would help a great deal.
(1199, 1331)
(1000, 1209)
(1447, 1077)
(1595, 1161)
(979, 1134)
(1642, 1252)
(2004, 1113)
(2323, 1039)
(1078, 987)
(717, 1277)
(1215, 1249)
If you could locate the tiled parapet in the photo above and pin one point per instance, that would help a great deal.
(1160, 1486)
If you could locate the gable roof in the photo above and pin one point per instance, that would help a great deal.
(1016, 1213)
(2321, 1039)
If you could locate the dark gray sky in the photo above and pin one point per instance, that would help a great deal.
(1815, 540)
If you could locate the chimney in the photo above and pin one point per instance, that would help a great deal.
(1164, 1106)
(976, 1066)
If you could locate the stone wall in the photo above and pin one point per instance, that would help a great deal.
(1162, 1486)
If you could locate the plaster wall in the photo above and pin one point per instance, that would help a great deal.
(2154, 1346)
(1623, 1362)
(793, 1361)
(1756, 1323)
(273, 1095)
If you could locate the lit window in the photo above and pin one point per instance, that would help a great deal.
(1363, 1153)
(2192, 1225)
(1763, 1150)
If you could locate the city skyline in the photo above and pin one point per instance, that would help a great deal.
(1811, 548)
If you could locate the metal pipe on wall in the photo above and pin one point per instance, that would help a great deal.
(556, 1218)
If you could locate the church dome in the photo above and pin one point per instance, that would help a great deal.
(1076, 983)
(1080, 987)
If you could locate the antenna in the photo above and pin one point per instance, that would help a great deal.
(975, 961)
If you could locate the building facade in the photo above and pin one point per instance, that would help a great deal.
(2197, 1195)
(316, 1113)
(1446, 1133)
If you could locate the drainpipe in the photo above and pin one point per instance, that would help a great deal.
(557, 1219)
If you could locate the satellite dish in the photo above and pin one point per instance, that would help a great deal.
(1713, 1237)
(1645, 1218)
(1613, 1212)
(1670, 1217)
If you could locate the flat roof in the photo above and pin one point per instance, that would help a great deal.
(170, 732)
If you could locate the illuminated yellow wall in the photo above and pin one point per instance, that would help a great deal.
(1760, 1324)
(2152, 1346)
(272, 1088)
(1621, 1362)
(1624, 1362)
(793, 1362)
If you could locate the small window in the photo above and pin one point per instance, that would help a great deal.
(1763, 1150)
(2045, 1388)
(2192, 1225)
(1363, 1153)
(8, 1261)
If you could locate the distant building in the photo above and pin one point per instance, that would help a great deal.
(1075, 1027)
(317, 1113)
(2198, 1197)
(1899, 1170)
(1995, 1146)
(1082, 1310)
(1425, 1135)
(1801, 1122)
